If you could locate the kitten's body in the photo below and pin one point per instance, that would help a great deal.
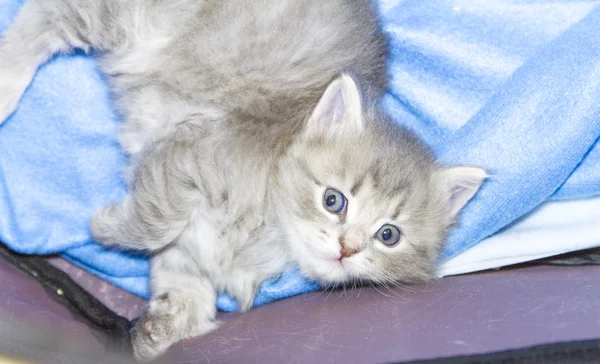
(232, 148)
(265, 60)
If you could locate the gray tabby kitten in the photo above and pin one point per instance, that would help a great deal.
(253, 149)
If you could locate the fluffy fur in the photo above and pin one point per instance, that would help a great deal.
(238, 116)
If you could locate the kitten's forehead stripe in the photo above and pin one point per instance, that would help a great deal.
(398, 210)
(376, 175)
(308, 172)
(404, 193)
(357, 185)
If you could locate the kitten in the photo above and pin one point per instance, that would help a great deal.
(253, 148)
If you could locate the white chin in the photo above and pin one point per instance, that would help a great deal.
(328, 271)
(320, 264)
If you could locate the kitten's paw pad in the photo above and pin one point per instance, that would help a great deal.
(152, 336)
(163, 324)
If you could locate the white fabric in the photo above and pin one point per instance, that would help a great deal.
(554, 228)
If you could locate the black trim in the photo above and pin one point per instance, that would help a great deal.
(85, 306)
(581, 257)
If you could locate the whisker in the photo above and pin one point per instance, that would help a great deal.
(381, 292)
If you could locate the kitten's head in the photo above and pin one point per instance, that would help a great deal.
(361, 199)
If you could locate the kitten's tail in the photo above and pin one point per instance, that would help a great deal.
(41, 29)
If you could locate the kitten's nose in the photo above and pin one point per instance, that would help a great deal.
(345, 251)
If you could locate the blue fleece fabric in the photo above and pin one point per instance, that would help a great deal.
(511, 85)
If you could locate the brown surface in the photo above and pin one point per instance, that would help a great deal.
(460, 315)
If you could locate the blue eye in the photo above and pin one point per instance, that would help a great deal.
(334, 201)
(389, 235)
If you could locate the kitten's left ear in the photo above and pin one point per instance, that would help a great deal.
(461, 184)
(339, 110)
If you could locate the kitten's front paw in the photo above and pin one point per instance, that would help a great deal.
(152, 337)
(243, 287)
(158, 328)
(169, 319)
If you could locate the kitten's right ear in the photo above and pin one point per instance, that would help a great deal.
(460, 185)
(339, 110)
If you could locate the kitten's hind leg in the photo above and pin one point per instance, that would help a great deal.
(183, 305)
(28, 43)
(41, 29)
(164, 194)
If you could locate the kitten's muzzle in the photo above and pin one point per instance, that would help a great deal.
(345, 251)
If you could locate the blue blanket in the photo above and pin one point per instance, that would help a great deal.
(510, 85)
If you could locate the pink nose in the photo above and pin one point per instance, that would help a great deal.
(345, 252)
